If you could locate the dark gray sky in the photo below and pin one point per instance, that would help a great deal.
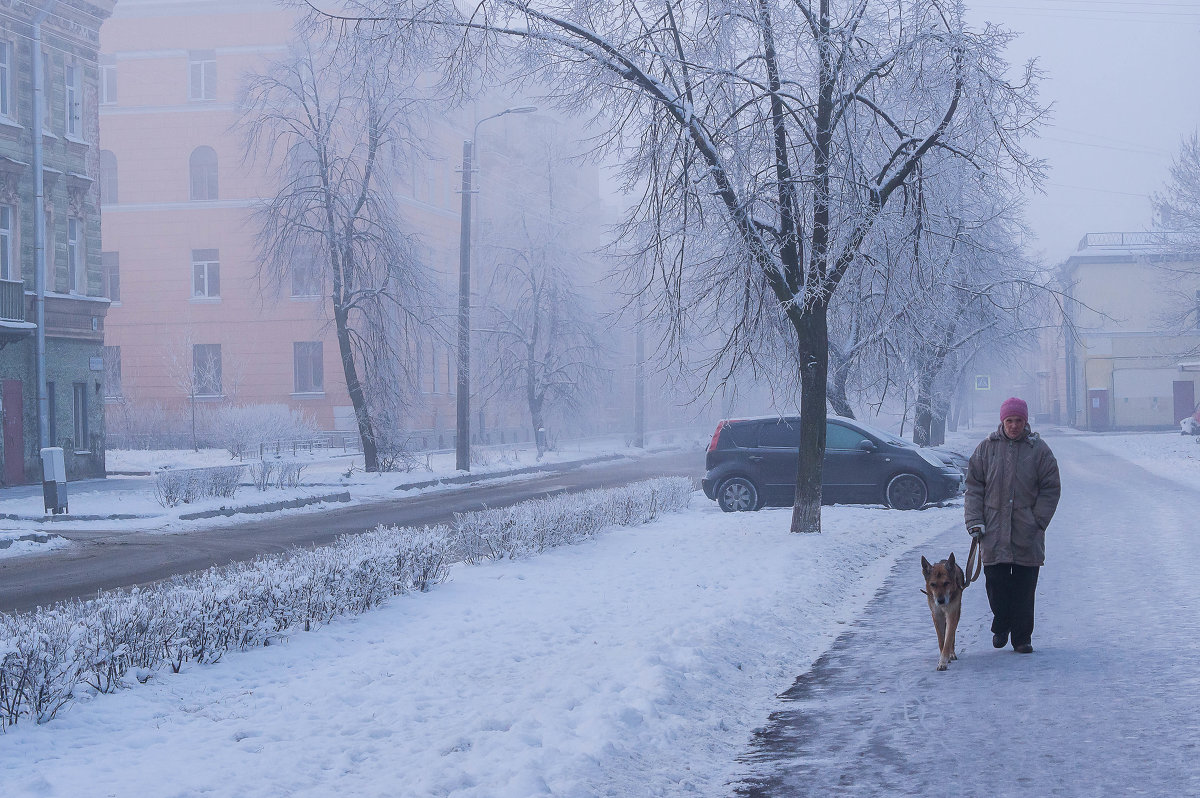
(1124, 78)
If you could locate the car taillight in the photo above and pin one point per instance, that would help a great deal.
(716, 436)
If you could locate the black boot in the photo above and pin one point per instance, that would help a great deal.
(1000, 640)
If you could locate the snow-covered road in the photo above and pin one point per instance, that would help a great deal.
(1109, 703)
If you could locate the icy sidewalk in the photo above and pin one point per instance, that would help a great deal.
(1109, 703)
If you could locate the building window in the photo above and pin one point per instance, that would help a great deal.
(206, 369)
(47, 95)
(202, 75)
(76, 271)
(8, 268)
(6, 51)
(206, 274)
(112, 374)
(306, 278)
(108, 80)
(309, 367)
(79, 408)
(51, 266)
(202, 166)
(71, 95)
(111, 266)
(108, 177)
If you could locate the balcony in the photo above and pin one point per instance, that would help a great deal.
(12, 300)
(13, 326)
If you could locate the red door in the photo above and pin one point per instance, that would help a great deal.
(1098, 409)
(14, 433)
(1185, 399)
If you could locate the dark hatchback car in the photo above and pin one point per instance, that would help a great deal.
(751, 463)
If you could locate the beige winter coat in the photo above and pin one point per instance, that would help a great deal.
(1013, 490)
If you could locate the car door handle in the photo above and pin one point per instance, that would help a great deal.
(755, 458)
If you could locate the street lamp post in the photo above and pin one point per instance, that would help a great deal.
(462, 435)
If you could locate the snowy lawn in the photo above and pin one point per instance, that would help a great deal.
(635, 664)
(1164, 454)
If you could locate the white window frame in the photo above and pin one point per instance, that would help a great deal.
(76, 269)
(108, 81)
(196, 376)
(6, 66)
(206, 274)
(202, 75)
(72, 96)
(110, 264)
(308, 366)
(8, 218)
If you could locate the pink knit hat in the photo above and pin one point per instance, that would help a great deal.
(1014, 407)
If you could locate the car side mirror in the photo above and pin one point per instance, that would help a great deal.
(866, 446)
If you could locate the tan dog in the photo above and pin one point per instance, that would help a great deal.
(944, 583)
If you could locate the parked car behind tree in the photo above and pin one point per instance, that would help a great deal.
(751, 463)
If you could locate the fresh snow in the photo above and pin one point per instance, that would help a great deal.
(635, 664)
(640, 663)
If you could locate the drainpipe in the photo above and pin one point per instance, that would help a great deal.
(39, 224)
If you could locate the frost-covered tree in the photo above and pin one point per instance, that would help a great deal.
(1177, 206)
(541, 337)
(767, 138)
(330, 125)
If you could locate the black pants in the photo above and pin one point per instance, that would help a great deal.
(1010, 589)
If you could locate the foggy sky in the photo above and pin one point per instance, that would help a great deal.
(1125, 81)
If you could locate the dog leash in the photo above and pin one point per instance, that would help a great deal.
(974, 562)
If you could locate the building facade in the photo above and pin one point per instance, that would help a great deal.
(192, 326)
(1132, 360)
(74, 290)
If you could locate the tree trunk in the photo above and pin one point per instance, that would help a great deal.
(923, 414)
(837, 390)
(812, 333)
(358, 399)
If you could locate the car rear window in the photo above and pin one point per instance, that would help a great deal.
(780, 434)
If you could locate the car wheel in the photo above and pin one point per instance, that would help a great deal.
(737, 495)
(907, 492)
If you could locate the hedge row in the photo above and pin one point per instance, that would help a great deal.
(50, 655)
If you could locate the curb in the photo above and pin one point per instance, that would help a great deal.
(466, 478)
(270, 507)
(41, 519)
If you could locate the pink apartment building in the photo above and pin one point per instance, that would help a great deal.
(178, 246)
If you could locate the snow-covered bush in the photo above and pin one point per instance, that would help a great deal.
(243, 429)
(175, 485)
(261, 473)
(532, 527)
(51, 655)
(289, 473)
(1189, 426)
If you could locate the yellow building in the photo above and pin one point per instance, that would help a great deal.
(1133, 360)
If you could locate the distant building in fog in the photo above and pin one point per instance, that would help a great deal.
(177, 197)
(1135, 363)
(75, 285)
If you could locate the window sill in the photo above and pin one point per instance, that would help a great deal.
(305, 297)
(11, 127)
(308, 395)
(209, 397)
(81, 451)
(76, 141)
(205, 300)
